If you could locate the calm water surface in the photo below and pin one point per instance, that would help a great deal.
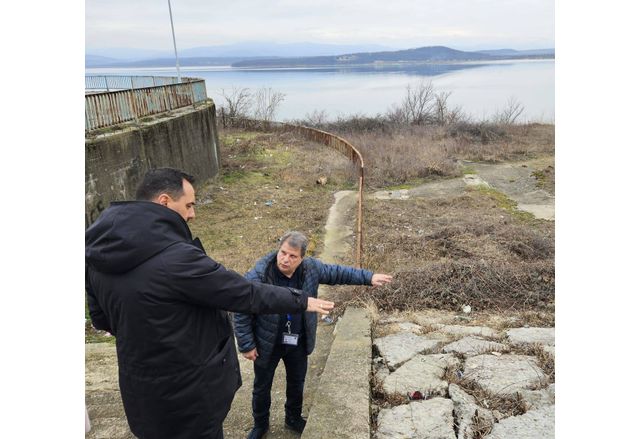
(480, 89)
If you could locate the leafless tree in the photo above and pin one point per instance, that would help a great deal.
(316, 118)
(266, 102)
(510, 113)
(442, 114)
(417, 106)
(237, 101)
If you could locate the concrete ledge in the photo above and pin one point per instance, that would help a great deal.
(340, 407)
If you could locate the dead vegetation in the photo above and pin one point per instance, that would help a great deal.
(267, 185)
(446, 253)
(400, 154)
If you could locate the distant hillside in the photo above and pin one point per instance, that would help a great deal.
(203, 56)
(434, 53)
(170, 62)
(94, 60)
(422, 54)
(519, 53)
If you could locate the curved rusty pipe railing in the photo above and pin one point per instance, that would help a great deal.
(335, 142)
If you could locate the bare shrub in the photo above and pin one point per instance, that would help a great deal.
(398, 157)
(237, 101)
(417, 106)
(266, 102)
(316, 119)
(442, 114)
(483, 285)
(510, 113)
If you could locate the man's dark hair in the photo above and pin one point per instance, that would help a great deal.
(162, 180)
(296, 240)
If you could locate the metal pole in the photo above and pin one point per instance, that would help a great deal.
(174, 42)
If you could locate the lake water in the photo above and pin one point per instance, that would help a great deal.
(480, 89)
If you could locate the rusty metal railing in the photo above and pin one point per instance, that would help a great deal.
(124, 82)
(333, 141)
(108, 108)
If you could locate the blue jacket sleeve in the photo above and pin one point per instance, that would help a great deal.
(343, 275)
(243, 324)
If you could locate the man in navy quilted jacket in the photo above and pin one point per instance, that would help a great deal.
(266, 339)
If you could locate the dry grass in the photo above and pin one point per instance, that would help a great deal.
(406, 154)
(267, 186)
(446, 253)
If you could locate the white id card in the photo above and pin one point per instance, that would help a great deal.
(290, 339)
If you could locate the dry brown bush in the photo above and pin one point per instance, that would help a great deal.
(465, 250)
(483, 285)
(398, 154)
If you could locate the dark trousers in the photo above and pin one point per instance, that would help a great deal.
(295, 363)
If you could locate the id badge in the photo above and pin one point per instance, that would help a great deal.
(289, 339)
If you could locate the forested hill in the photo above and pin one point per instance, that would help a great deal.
(422, 54)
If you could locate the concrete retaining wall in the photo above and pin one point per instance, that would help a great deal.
(116, 162)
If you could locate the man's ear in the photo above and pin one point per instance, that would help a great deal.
(163, 199)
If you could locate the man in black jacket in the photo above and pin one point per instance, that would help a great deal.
(153, 287)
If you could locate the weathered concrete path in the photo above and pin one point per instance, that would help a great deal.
(101, 371)
(516, 180)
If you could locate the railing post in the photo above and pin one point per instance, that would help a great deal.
(359, 234)
(106, 83)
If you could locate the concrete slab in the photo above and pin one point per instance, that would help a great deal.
(506, 374)
(430, 419)
(545, 336)
(535, 424)
(465, 410)
(535, 399)
(472, 345)
(397, 349)
(423, 373)
(482, 331)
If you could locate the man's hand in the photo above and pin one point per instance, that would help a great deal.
(251, 355)
(318, 305)
(380, 279)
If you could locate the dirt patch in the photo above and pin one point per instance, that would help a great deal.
(267, 186)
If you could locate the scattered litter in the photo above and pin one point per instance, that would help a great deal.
(459, 373)
(497, 354)
(268, 203)
(416, 395)
(327, 319)
(300, 190)
(466, 309)
(257, 217)
(322, 181)
(277, 187)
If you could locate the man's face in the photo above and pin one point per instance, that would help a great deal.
(185, 204)
(288, 259)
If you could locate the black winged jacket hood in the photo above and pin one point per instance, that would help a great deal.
(129, 232)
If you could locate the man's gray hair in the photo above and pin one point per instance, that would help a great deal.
(295, 240)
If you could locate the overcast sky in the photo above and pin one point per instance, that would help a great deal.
(460, 24)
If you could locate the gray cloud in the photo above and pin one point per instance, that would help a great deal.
(461, 24)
